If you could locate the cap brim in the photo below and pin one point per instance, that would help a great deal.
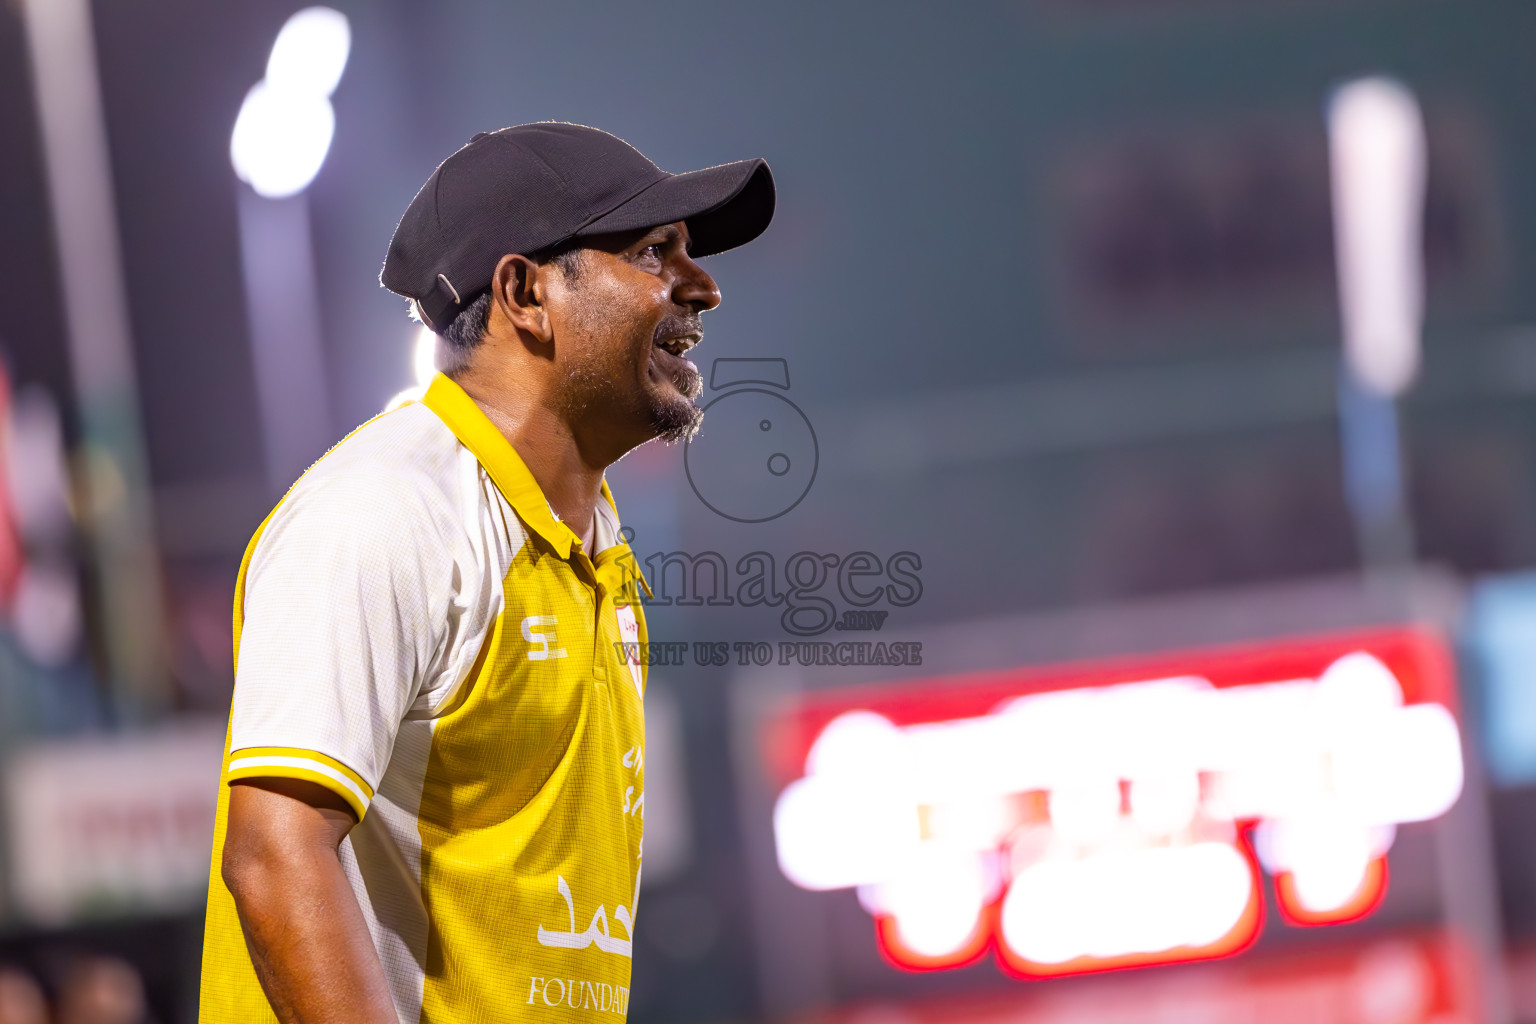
(724, 206)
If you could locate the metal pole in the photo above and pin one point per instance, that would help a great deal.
(1375, 477)
(114, 472)
(283, 308)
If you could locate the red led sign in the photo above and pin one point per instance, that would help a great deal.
(1407, 979)
(1093, 817)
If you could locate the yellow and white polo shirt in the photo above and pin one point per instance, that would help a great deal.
(415, 631)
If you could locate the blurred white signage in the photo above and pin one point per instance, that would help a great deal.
(107, 823)
(1117, 817)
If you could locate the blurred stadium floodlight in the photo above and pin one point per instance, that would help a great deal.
(284, 129)
(280, 140)
(279, 143)
(310, 52)
(117, 512)
(1376, 144)
(1377, 158)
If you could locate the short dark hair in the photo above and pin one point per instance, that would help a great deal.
(464, 333)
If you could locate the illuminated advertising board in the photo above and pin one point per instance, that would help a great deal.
(1090, 817)
(1406, 979)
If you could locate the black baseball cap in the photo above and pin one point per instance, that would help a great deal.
(532, 186)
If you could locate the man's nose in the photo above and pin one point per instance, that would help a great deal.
(695, 288)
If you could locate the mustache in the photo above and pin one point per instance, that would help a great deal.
(674, 325)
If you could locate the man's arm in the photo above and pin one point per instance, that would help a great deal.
(306, 934)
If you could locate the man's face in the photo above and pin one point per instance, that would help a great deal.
(623, 323)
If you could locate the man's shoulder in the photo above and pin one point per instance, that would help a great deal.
(402, 465)
(407, 443)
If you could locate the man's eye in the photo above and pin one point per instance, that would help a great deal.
(653, 250)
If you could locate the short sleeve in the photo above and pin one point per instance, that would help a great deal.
(344, 609)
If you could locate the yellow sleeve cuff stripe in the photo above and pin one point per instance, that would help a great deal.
(258, 764)
(308, 755)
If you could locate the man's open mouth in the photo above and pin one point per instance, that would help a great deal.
(678, 345)
(669, 359)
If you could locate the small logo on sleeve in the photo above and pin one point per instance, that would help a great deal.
(537, 629)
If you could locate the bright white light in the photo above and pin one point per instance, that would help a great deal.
(424, 356)
(1377, 151)
(975, 824)
(280, 140)
(403, 397)
(1406, 767)
(1150, 901)
(1327, 856)
(857, 744)
(310, 52)
(1270, 841)
(835, 834)
(1272, 751)
(1085, 810)
(286, 123)
(1162, 805)
(937, 903)
(1325, 767)
(1354, 691)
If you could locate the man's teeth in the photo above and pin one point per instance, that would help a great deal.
(676, 346)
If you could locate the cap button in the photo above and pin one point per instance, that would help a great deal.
(478, 136)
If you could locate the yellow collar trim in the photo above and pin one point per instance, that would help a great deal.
(507, 469)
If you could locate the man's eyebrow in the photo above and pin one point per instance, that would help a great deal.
(660, 233)
(665, 233)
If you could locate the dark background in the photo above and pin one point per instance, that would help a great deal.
(1053, 279)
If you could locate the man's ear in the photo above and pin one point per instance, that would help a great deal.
(517, 288)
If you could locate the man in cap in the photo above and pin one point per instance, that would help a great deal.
(435, 772)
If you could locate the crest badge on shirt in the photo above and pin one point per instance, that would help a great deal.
(629, 634)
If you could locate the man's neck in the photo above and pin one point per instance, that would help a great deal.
(545, 442)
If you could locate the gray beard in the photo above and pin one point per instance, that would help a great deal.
(676, 421)
(679, 420)
(590, 387)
